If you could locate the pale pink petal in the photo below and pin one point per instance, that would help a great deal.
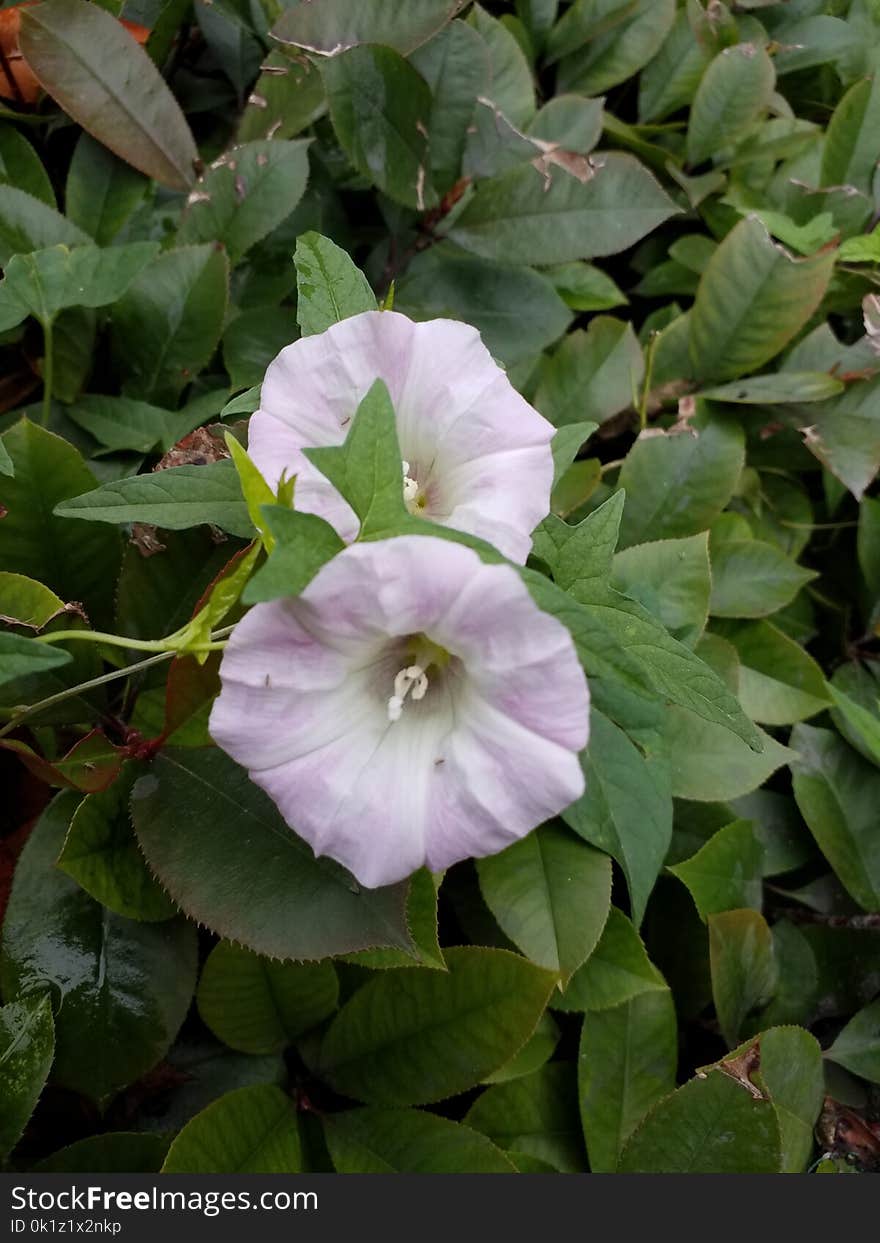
(479, 451)
(488, 753)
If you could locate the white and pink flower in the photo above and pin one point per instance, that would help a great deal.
(412, 707)
(476, 455)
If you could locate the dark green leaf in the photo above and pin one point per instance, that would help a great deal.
(117, 985)
(259, 1005)
(250, 1131)
(93, 67)
(726, 873)
(102, 192)
(329, 286)
(27, 1044)
(743, 967)
(176, 498)
(626, 1064)
(617, 970)
(380, 109)
(408, 1141)
(245, 194)
(536, 1115)
(101, 853)
(710, 1126)
(339, 24)
(412, 1037)
(220, 848)
(550, 894)
(522, 217)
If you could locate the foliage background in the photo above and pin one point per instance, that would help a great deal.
(661, 216)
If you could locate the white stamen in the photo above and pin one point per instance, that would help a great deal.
(410, 489)
(412, 681)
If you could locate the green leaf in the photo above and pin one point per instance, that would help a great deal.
(455, 65)
(672, 580)
(408, 1141)
(27, 1044)
(118, 1152)
(857, 1046)
(75, 561)
(676, 485)
(844, 434)
(168, 324)
(617, 970)
(670, 80)
(27, 224)
(534, 1054)
(287, 97)
(412, 1037)
(380, 108)
(726, 873)
(859, 722)
(177, 498)
(220, 848)
(626, 809)
(47, 281)
(778, 682)
(101, 192)
(550, 893)
(733, 92)
(522, 217)
(753, 579)
(120, 424)
(21, 166)
(117, 985)
(837, 792)
(101, 853)
(259, 1005)
(91, 65)
(790, 1072)
(303, 543)
(245, 194)
(421, 920)
(583, 21)
(711, 764)
(250, 1131)
(536, 1115)
(585, 287)
(784, 386)
(743, 967)
(329, 286)
(516, 310)
(711, 1125)
(869, 545)
(366, 469)
(849, 153)
(619, 52)
(339, 24)
(511, 86)
(20, 656)
(752, 299)
(626, 1063)
(593, 375)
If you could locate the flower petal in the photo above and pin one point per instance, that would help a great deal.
(480, 450)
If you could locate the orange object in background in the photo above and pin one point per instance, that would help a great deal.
(18, 81)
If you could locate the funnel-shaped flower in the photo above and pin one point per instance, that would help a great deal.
(476, 455)
(413, 706)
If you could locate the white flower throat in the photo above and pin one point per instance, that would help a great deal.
(411, 682)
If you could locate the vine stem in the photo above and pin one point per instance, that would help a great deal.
(136, 645)
(71, 691)
(48, 371)
(116, 640)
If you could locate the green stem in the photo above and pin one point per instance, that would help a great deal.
(71, 692)
(136, 645)
(48, 371)
(649, 376)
